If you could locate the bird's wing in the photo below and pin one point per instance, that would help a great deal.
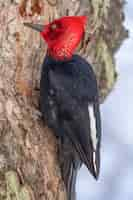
(80, 122)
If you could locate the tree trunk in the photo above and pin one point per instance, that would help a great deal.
(29, 167)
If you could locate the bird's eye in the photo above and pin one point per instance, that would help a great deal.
(53, 26)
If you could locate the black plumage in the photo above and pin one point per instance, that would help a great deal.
(69, 103)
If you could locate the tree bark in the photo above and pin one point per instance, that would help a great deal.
(29, 167)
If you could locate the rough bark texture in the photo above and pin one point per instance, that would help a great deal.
(29, 167)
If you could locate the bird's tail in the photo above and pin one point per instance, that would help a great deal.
(69, 163)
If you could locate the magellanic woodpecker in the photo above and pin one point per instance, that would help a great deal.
(69, 99)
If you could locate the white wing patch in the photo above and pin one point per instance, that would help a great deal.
(94, 161)
(93, 130)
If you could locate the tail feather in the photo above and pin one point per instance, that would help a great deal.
(70, 164)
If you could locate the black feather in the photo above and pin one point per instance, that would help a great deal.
(70, 164)
(67, 88)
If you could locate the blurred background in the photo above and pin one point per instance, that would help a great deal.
(116, 177)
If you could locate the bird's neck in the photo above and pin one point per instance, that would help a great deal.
(57, 60)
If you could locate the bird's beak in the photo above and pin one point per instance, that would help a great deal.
(37, 27)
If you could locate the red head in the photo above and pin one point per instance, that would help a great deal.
(62, 35)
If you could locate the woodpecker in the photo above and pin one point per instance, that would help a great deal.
(69, 99)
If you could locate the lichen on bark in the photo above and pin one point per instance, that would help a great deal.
(29, 167)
